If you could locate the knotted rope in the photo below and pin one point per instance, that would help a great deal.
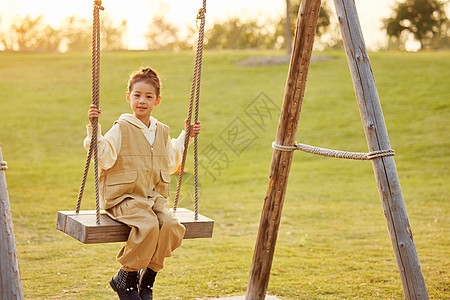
(3, 166)
(334, 153)
(195, 90)
(93, 149)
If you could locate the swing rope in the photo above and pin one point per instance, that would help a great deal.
(195, 93)
(93, 149)
(334, 153)
(195, 90)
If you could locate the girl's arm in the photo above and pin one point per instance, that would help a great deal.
(175, 151)
(108, 145)
(176, 147)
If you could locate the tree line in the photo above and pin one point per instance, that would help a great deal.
(75, 34)
(423, 20)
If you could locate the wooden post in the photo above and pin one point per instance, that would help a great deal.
(11, 285)
(378, 139)
(281, 160)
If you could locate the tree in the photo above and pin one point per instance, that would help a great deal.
(25, 31)
(112, 36)
(6, 43)
(162, 35)
(74, 34)
(236, 34)
(77, 33)
(50, 39)
(287, 28)
(424, 19)
(31, 34)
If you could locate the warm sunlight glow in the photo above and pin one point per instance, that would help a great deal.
(138, 13)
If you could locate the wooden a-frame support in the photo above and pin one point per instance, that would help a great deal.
(376, 136)
(10, 282)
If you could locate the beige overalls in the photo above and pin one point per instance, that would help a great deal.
(135, 191)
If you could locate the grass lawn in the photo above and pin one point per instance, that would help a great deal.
(333, 241)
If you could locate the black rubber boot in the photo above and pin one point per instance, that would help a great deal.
(125, 285)
(146, 281)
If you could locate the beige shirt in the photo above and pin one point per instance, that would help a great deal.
(109, 145)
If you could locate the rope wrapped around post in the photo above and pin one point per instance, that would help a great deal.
(195, 91)
(334, 153)
(3, 166)
(93, 149)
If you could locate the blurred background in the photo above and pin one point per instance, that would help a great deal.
(60, 26)
(333, 242)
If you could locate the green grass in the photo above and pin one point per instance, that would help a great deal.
(333, 241)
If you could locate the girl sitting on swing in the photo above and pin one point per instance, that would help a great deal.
(136, 157)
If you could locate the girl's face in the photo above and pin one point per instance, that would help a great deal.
(143, 99)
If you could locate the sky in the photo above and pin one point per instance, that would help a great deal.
(138, 13)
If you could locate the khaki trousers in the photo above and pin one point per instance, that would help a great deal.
(154, 234)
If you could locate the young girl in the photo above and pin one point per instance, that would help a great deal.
(135, 158)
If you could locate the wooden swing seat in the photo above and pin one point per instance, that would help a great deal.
(83, 227)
